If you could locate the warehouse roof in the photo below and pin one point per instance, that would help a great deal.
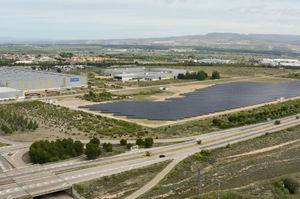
(11, 73)
(8, 90)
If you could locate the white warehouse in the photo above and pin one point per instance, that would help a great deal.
(31, 80)
(142, 73)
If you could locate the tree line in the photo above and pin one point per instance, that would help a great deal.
(51, 151)
(200, 75)
(271, 111)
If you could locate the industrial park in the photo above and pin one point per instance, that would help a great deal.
(127, 99)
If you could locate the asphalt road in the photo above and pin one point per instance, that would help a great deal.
(38, 179)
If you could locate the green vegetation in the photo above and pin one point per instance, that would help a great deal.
(11, 121)
(64, 119)
(277, 122)
(107, 96)
(201, 75)
(215, 75)
(272, 111)
(103, 96)
(108, 147)
(119, 185)
(241, 118)
(45, 151)
(66, 54)
(123, 142)
(260, 174)
(291, 184)
(293, 76)
(92, 151)
(147, 143)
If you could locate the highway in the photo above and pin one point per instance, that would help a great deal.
(41, 179)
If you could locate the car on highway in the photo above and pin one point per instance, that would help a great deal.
(162, 156)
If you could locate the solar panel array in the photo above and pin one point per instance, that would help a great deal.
(213, 99)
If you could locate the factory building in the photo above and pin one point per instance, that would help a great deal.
(10, 93)
(281, 62)
(30, 80)
(142, 74)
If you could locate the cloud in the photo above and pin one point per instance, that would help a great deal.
(98, 19)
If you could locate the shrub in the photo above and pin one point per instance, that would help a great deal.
(148, 142)
(199, 142)
(95, 141)
(228, 146)
(277, 122)
(6, 129)
(129, 145)
(140, 142)
(92, 151)
(148, 153)
(123, 142)
(45, 151)
(108, 147)
(198, 155)
(291, 184)
(215, 75)
(205, 152)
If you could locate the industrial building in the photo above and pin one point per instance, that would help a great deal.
(142, 74)
(10, 93)
(30, 80)
(281, 62)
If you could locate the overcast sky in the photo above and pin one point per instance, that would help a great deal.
(111, 19)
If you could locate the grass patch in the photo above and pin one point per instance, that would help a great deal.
(119, 185)
(3, 144)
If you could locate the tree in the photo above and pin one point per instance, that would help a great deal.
(6, 129)
(92, 151)
(78, 147)
(66, 55)
(148, 142)
(58, 70)
(215, 75)
(129, 145)
(277, 122)
(95, 141)
(123, 142)
(140, 142)
(108, 147)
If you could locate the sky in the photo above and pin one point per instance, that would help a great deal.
(121, 19)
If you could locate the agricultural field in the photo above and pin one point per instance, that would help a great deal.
(255, 167)
(119, 185)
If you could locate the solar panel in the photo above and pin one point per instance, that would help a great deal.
(212, 99)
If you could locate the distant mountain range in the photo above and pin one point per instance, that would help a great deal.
(270, 42)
